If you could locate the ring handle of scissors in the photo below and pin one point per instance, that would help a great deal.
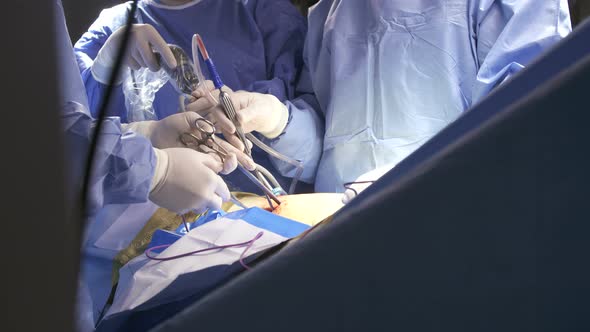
(208, 128)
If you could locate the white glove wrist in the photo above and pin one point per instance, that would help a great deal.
(103, 65)
(185, 179)
(364, 181)
(281, 124)
(160, 171)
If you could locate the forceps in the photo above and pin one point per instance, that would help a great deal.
(261, 176)
(185, 79)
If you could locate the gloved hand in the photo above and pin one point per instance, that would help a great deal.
(166, 133)
(363, 182)
(207, 95)
(259, 112)
(185, 180)
(143, 42)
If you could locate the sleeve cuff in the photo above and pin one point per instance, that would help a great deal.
(281, 125)
(102, 73)
(159, 171)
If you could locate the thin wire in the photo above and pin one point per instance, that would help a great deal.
(247, 244)
(237, 202)
(258, 236)
(185, 223)
(348, 185)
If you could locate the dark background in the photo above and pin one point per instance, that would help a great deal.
(39, 261)
(80, 14)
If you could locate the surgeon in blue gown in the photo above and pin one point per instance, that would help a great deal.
(256, 45)
(384, 76)
(131, 167)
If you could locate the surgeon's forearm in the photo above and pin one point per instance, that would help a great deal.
(125, 163)
(96, 91)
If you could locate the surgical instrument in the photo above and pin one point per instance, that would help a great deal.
(237, 202)
(224, 98)
(205, 141)
(183, 77)
(227, 105)
(297, 164)
(206, 138)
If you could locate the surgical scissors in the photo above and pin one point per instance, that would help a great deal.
(206, 142)
(206, 138)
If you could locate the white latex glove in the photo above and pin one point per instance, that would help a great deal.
(363, 182)
(185, 180)
(259, 112)
(143, 42)
(166, 133)
(207, 96)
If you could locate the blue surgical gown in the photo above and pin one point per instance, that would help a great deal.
(387, 75)
(124, 163)
(256, 46)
